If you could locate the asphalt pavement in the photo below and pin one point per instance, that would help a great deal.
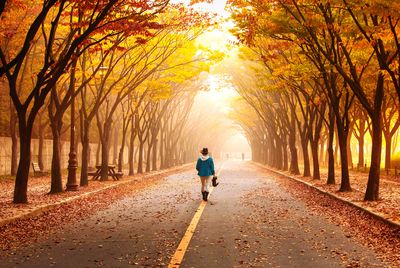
(249, 221)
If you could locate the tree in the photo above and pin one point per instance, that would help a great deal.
(104, 17)
(316, 24)
(391, 124)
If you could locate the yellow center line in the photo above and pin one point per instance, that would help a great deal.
(177, 258)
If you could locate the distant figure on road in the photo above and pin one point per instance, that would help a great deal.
(242, 156)
(205, 168)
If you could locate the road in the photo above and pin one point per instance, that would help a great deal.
(249, 221)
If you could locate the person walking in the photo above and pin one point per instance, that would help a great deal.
(205, 168)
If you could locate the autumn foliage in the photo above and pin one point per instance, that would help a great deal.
(333, 65)
(48, 61)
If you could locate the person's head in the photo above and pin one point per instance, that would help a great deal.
(204, 151)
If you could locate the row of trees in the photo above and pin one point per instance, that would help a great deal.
(208, 125)
(121, 66)
(324, 71)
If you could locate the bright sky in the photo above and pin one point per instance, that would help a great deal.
(220, 92)
(218, 7)
(217, 39)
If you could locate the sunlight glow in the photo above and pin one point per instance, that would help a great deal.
(216, 7)
(236, 145)
(218, 92)
(219, 38)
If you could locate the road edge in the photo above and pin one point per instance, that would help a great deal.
(363, 209)
(40, 210)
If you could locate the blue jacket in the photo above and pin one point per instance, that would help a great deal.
(205, 166)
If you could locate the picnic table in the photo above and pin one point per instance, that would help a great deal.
(111, 172)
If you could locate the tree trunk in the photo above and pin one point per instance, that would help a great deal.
(361, 144)
(331, 156)
(98, 150)
(306, 159)
(154, 154)
(278, 154)
(294, 162)
(41, 145)
(84, 181)
(104, 161)
(321, 149)
(336, 151)
(131, 156)
(285, 155)
(314, 152)
(162, 164)
(372, 192)
(140, 161)
(21, 179)
(342, 137)
(388, 153)
(167, 152)
(56, 176)
(115, 146)
(269, 148)
(266, 154)
(349, 154)
(121, 158)
(148, 156)
(14, 141)
(175, 156)
(121, 151)
(105, 150)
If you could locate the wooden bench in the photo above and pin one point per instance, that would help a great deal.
(37, 172)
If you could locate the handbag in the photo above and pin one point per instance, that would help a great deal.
(214, 181)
